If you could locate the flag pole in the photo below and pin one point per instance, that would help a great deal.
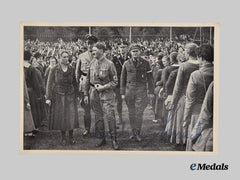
(89, 30)
(130, 34)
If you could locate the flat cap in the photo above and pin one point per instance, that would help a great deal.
(135, 47)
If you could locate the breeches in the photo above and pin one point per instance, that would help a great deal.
(102, 104)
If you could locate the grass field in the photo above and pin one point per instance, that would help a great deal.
(152, 135)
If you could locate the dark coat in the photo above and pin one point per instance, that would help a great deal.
(157, 78)
(28, 119)
(61, 87)
(169, 85)
(118, 61)
(165, 74)
(34, 92)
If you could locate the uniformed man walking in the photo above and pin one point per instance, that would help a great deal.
(100, 82)
(82, 68)
(136, 78)
(118, 60)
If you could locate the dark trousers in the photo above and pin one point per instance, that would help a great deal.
(87, 112)
(136, 104)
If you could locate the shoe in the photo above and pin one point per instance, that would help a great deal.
(115, 145)
(85, 132)
(100, 143)
(64, 142)
(72, 141)
(155, 120)
(131, 137)
(138, 138)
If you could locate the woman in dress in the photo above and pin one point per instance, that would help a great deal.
(202, 132)
(179, 92)
(196, 90)
(33, 88)
(61, 87)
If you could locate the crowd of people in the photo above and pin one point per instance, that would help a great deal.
(174, 77)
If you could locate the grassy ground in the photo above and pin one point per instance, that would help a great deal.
(152, 133)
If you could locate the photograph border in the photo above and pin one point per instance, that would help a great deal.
(215, 151)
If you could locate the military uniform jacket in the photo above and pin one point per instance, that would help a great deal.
(82, 68)
(136, 77)
(101, 72)
(118, 62)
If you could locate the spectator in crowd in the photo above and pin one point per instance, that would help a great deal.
(202, 133)
(33, 87)
(157, 74)
(28, 120)
(52, 63)
(159, 91)
(196, 90)
(179, 92)
(169, 86)
(165, 74)
(40, 75)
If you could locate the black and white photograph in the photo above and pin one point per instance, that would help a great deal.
(114, 87)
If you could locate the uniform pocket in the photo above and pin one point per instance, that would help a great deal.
(84, 66)
(103, 73)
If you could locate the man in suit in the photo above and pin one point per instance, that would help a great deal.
(136, 78)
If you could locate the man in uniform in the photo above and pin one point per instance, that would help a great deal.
(82, 68)
(118, 60)
(100, 82)
(136, 78)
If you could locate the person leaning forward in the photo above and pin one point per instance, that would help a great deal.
(100, 82)
(136, 77)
